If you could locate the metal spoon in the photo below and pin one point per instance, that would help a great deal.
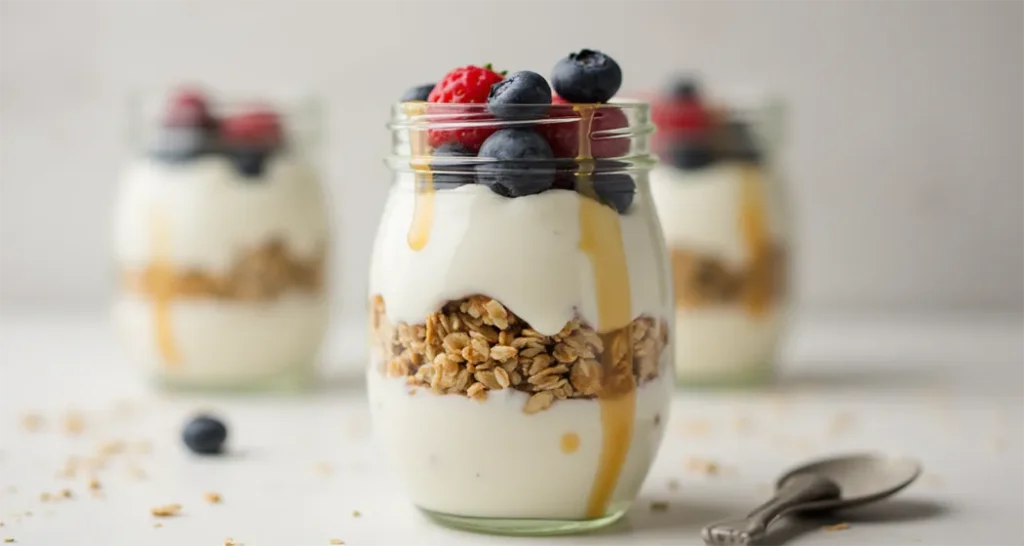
(827, 484)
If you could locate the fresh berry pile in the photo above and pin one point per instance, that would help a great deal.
(534, 142)
(189, 130)
(692, 134)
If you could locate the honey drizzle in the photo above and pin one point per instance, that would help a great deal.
(423, 206)
(163, 288)
(756, 238)
(601, 241)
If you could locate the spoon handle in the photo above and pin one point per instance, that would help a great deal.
(800, 489)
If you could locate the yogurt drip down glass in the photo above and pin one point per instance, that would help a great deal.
(521, 347)
(220, 241)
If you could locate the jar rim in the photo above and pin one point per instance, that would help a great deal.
(415, 114)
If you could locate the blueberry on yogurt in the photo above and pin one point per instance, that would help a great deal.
(522, 163)
(587, 76)
(508, 99)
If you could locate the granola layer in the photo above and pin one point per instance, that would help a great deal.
(705, 281)
(259, 274)
(476, 345)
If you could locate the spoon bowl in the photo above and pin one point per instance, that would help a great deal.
(862, 478)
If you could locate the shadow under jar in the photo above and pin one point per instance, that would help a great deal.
(521, 364)
(221, 238)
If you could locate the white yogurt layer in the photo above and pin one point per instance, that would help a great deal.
(489, 459)
(523, 252)
(226, 341)
(211, 213)
(726, 341)
(700, 210)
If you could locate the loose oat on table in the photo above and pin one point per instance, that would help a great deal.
(166, 510)
(211, 497)
(32, 422)
(837, 527)
(74, 423)
(704, 467)
(356, 513)
(336, 541)
(476, 345)
(94, 484)
(8, 539)
(659, 506)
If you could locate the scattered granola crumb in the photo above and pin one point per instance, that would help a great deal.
(157, 525)
(412, 392)
(231, 542)
(840, 424)
(673, 484)
(324, 468)
(66, 493)
(45, 497)
(211, 497)
(659, 506)
(32, 422)
(336, 541)
(94, 484)
(107, 449)
(356, 513)
(73, 423)
(166, 510)
(837, 527)
(695, 427)
(136, 473)
(8, 539)
(702, 466)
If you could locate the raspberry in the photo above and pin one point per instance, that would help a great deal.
(188, 108)
(564, 136)
(258, 127)
(465, 85)
(684, 115)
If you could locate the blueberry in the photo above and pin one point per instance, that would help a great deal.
(448, 171)
(586, 77)
(615, 190)
(420, 92)
(524, 163)
(690, 153)
(740, 142)
(205, 435)
(684, 88)
(249, 161)
(520, 88)
(176, 144)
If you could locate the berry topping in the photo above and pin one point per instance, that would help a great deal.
(689, 153)
(682, 112)
(259, 128)
(189, 108)
(250, 161)
(555, 99)
(448, 171)
(740, 142)
(205, 435)
(465, 85)
(563, 135)
(508, 97)
(684, 88)
(586, 77)
(420, 92)
(525, 164)
(181, 143)
(615, 190)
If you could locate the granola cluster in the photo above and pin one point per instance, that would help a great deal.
(262, 273)
(476, 345)
(702, 281)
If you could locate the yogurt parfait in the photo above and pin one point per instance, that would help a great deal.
(220, 240)
(719, 200)
(521, 322)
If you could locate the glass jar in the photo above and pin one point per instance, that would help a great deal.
(221, 239)
(521, 365)
(720, 198)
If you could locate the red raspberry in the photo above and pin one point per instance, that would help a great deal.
(188, 108)
(687, 116)
(258, 127)
(564, 136)
(465, 85)
(555, 99)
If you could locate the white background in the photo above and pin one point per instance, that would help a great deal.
(905, 156)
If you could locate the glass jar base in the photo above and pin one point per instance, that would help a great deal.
(289, 381)
(750, 378)
(523, 527)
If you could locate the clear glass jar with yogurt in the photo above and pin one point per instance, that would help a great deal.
(521, 363)
(221, 239)
(720, 198)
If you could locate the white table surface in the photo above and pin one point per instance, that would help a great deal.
(949, 390)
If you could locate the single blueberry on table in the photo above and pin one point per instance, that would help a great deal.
(176, 144)
(205, 435)
(523, 163)
(586, 77)
(508, 97)
(615, 190)
(420, 92)
(448, 170)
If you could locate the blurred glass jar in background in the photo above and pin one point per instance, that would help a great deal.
(521, 310)
(721, 205)
(221, 240)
